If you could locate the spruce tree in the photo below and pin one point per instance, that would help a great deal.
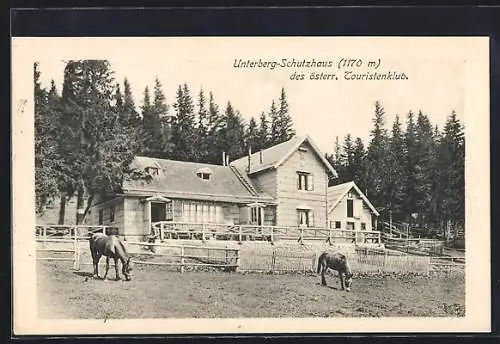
(376, 160)
(264, 136)
(424, 167)
(358, 164)
(274, 135)
(232, 134)
(202, 141)
(251, 136)
(452, 159)
(183, 126)
(285, 130)
(97, 151)
(214, 124)
(46, 145)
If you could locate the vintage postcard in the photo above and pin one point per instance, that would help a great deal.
(250, 185)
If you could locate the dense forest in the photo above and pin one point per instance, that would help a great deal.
(87, 134)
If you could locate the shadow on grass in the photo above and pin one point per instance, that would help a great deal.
(83, 273)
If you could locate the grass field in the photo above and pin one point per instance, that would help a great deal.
(158, 293)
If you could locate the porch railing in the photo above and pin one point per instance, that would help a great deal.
(206, 231)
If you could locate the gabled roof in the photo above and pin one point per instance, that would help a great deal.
(275, 156)
(178, 179)
(337, 192)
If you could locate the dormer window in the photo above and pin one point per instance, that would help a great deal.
(205, 176)
(204, 173)
(152, 171)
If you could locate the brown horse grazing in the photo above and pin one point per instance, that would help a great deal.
(110, 247)
(335, 261)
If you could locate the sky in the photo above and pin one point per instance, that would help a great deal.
(322, 109)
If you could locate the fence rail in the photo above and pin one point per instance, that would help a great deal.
(202, 231)
(76, 243)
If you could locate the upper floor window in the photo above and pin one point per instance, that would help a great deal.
(305, 181)
(101, 216)
(112, 214)
(305, 218)
(350, 208)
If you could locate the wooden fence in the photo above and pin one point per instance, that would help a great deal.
(61, 240)
(207, 231)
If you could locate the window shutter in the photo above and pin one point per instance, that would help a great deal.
(298, 181)
(310, 182)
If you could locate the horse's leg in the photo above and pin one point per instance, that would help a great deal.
(323, 279)
(107, 268)
(341, 280)
(96, 265)
(116, 269)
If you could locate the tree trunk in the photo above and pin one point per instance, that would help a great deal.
(62, 209)
(80, 207)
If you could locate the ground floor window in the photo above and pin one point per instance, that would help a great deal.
(350, 226)
(363, 226)
(101, 216)
(201, 213)
(305, 218)
(335, 224)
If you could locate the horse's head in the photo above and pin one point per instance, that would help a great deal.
(348, 281)
(127, 269)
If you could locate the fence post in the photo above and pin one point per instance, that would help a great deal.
(239, 234)
(77, 253)
(385, 260)
(182, 259)
(237, 260)
(356, 237)
(272, 234)
(314, 261)
(203, 229)
(44, 236)
(273, 262)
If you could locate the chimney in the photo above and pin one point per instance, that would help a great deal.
(260, 156)
(249, 157)
(223, 158)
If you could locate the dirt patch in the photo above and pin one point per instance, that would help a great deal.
(157, 292)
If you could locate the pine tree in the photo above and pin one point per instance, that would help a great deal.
(285, 129)
(424, 167)
(251, 136)
(410, 206)
(202, 129)
(274, 135)
(376, 160)
(46, 158)
(183, 126)
(214, 125)
(395, 165)
(358, 164)
(263, 135)
(97, 152)
(452, 163)
(151, 127)
(232, 134)
(347, 159)
(129, 115)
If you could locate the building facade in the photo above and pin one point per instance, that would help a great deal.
(285, 186)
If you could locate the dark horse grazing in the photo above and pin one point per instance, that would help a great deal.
(335, 261)
(110, 247)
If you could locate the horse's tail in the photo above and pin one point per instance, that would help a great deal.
(320, 261)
